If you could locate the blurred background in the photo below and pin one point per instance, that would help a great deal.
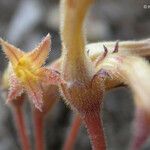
(25, 22)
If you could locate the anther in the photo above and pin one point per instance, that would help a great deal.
(101, 58)
(116, 47)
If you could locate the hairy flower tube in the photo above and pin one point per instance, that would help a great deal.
(82, 91)
(134, 47)
(27, 73)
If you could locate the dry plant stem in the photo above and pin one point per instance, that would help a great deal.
(21, 127)
(94, 126)
(70, 141)
(141, 129)
(38, 118)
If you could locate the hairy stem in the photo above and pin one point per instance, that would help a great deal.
(39, 130)
(70, 141)
(94, 126)
(21, 127)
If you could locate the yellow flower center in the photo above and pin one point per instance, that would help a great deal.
(25, 71)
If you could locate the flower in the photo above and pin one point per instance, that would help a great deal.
(27, 72)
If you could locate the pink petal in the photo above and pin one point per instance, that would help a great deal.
(40, 53)
(34, 92)
(16, 88)
(11, 52)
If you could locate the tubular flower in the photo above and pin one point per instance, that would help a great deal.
(27, 73)
(83, 91)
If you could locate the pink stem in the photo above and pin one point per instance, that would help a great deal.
(141, 129)
(38, 129)
(94, 126)
(21, 127)
(70, 141)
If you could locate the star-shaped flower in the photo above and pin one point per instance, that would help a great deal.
(27, 73)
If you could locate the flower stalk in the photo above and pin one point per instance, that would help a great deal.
(38, 119)
(141, 129)
(50, 96)
(17, 105)
(95, 129)
(71, 138)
